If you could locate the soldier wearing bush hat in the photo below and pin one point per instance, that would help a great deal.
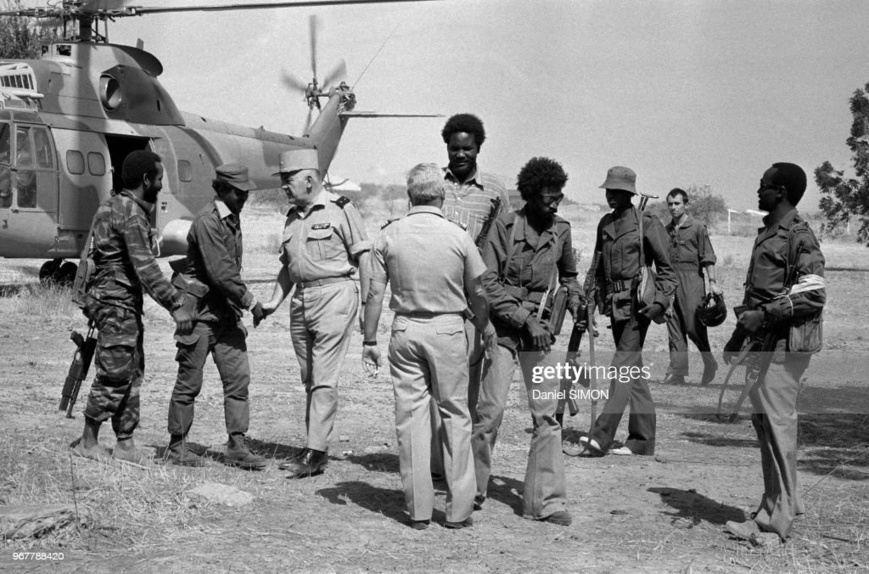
(617, 243)
(218, 295)
(323, 249)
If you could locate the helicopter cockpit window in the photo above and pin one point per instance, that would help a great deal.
(96, 163)
(5, 172)
(74, 162)
(26, 175)
(42, 146)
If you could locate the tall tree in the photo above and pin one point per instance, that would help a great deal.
(21, 38)
(845, 198)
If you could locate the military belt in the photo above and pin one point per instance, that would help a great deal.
(321, 282)
(618, 285)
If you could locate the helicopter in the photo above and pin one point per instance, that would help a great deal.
(69, 118)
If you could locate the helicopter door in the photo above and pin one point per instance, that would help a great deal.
(85, 177)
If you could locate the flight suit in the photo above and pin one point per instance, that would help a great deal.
(214, 258)
(429, 261)
(690, 252)
(515, 292)
(619, 244)
(124, 265)
(774, 402)
(320, 249)
(469, 205)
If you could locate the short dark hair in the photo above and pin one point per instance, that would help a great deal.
(538, 173)
(221, 187)
(791, 177)
(137, 164)
(464, 123)
(678, 191)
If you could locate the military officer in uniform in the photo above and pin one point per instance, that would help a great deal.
(523, 253)
(214, 256)
(618, 242)
(435, 270)
(323, 245)
(693, 258)
(121, 250)
(785, 293)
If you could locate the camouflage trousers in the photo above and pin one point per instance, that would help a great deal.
(120, 367)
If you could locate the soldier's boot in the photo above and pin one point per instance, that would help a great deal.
(560, 418)
(179, 452)
(127, 451)
(239, 454)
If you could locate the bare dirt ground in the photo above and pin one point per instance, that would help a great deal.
(631, 514)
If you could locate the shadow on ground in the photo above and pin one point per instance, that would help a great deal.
(690, 505)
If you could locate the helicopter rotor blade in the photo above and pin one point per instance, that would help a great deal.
(137, 10)
(339, 72)
(313, 24)
(293, 83)
(308, 120)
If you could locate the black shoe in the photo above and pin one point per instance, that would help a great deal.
(419, 524)
(180, 453)
(674, 379)
(311, 463)
(458, 525)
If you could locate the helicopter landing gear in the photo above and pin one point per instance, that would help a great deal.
(57, 272)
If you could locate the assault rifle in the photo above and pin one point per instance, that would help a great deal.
(756, 355)
(85, 345)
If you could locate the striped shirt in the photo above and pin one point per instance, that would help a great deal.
(468, 204)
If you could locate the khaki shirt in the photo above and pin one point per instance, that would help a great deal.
(469, 204)
(690, 247)
(768, 269)
(515, 291)
(428, 260)
(619, 244)
(325, 241)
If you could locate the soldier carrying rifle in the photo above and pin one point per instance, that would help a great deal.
(781, 322)
(124, 266)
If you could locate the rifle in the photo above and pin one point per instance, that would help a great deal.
(480, 241)
(578, 331)
(85, 345)
(756, 355)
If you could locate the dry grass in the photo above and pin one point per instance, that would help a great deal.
(630, 514)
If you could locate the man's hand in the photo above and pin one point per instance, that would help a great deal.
(652, 311)
(183, 320)
(715, 288)
(258, 314)
(540, 335)
(734, 345)
(751, 320)
(371, 360)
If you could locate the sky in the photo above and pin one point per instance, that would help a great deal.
(691, 92)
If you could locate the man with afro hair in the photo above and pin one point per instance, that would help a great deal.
(523, 253)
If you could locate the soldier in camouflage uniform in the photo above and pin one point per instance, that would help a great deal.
(121, 250)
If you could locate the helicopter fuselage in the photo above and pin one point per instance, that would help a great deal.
(68, 120)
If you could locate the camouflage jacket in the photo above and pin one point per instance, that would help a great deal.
(125, 264)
